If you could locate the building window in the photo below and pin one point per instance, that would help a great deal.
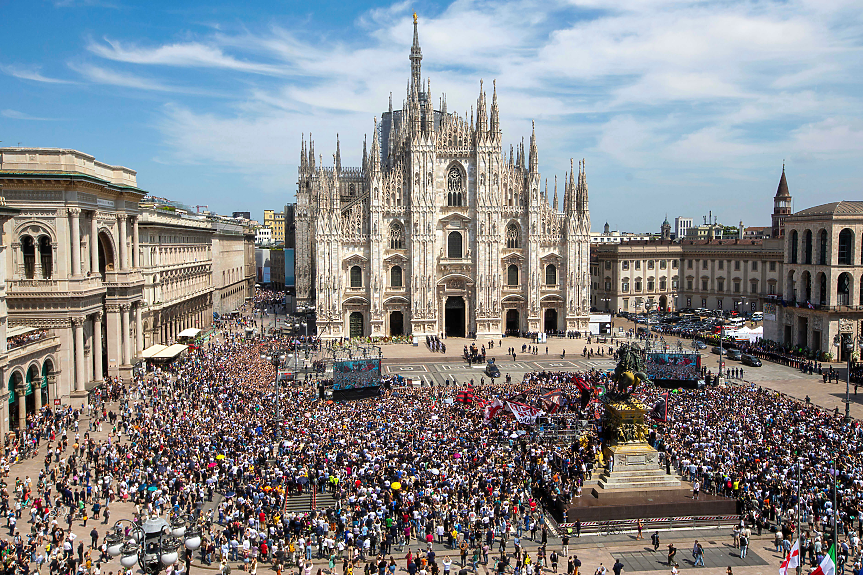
(719, 303)
(720, 285)
(512, 236)
(454, 182)
(650, 264)
(662, 284)
(625, 265)
(454, 245)
(846, 247)
(793, 246)
(722, 264)
(626, 303)
(397, 237)
(689, 264)
(704, 302)
(608, 265)
(356, 277)
(807, 247)
(608, 286)
(637, 285)
(512, 275)
(638, 264)
(737, 265)
(674, 264)
(650, 284)
(662, 264)
(29, 249)
(753, 287)
(704, 264)
(624, 287)
(773, 266)
(551, 275)
(754, 266)
(736, 287)
(396, 276)
(703, 285)
(771, 288)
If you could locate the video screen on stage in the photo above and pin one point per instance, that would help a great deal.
(673, 366)
(356, 374)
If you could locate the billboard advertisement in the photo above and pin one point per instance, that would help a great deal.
(356, 374)
(673, 366)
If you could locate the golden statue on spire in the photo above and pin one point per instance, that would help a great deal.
(415, 17)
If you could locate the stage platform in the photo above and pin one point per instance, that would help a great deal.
(599, 505)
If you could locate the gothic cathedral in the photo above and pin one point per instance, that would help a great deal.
(439, 232)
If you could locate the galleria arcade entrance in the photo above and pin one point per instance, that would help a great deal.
(454, 313)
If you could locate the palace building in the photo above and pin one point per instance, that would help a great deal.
(439, 232)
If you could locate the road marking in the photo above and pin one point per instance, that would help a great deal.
(406, 368)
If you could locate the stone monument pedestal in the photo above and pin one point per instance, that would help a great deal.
(635, 466)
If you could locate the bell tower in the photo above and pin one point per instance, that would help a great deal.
(781, 206)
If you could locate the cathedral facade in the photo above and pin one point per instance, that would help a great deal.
(439, 232)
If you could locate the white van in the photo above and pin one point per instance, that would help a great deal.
(735, 322)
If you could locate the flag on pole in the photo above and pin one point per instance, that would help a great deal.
(792, 560)
(828, 564)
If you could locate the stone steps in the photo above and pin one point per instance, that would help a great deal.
(637, 478)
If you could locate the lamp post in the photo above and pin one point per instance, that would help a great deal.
(277, 357)
(849, 342)
(154, 544)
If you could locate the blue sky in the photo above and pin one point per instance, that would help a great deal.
(678, 107)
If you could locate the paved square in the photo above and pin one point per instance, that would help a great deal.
(721, 556)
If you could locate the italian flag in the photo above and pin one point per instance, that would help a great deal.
(828, 564)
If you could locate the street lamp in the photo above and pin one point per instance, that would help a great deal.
(848, 341)
(154, 544)
(277, 357)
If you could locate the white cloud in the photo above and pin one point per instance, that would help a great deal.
(192, 54)
(31, 73)
(16, 115)
(830, 137)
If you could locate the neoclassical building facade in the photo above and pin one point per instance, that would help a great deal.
(439, 232)
(73, 267)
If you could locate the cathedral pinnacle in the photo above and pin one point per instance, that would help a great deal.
(416, 58)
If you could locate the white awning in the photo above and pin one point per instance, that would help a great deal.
(189, 332)
(19, 330)
(171, 352)
(153, 350)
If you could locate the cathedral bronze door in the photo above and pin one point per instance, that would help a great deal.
(397, 323)
(550, 321)
(454, 316)
(356, 324)
(512, 326)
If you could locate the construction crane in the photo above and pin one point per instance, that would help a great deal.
(199, 208)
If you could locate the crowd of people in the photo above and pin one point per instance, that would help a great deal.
(401, 470)
(25, 338)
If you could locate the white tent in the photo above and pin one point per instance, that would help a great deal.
(171, 353)
(153, 350)
(189, 332)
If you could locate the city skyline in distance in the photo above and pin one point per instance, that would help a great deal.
(678, 107)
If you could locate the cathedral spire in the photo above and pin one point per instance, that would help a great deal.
(534, 160)
(337, 159)
(494, 122)
(311, 153)
(481, 118)
(376, 152)
(554, 203)
(416, 58)
(303, 153)
(365, 154)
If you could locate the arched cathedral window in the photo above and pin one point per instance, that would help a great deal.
(512, 239)
(397, 237)
(455, 186)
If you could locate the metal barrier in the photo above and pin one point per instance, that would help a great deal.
(617, 526)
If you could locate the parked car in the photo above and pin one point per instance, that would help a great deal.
(734, 354)
(750, 360)
(700, 345)
(491, 369)
(715, 349)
